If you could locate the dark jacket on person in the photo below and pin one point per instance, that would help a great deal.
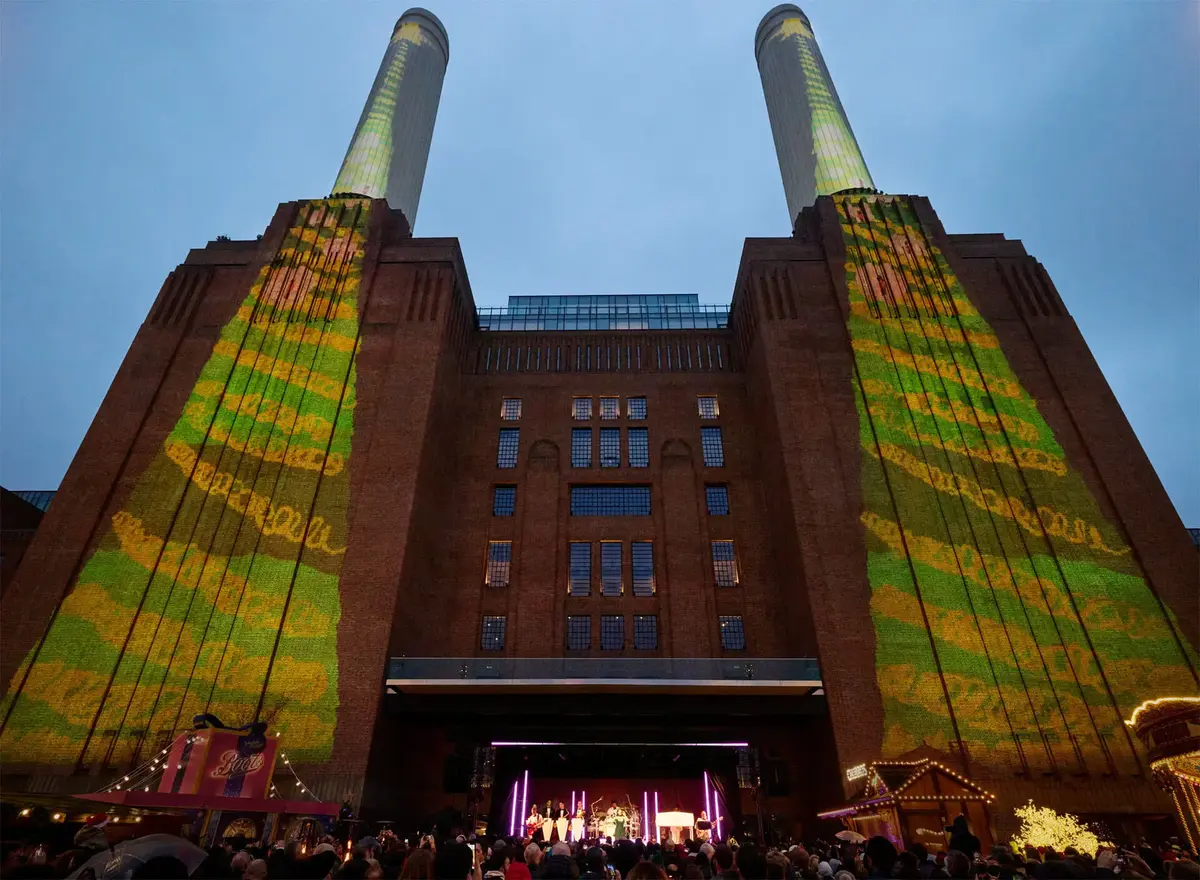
(963, 840)
(556, 868)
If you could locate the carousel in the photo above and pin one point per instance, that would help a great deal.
(1170, 729)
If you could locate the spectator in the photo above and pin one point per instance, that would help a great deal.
(593, 865)
(880, 857)
(723, 862)
(958, 864)
(418, 865)
(256, 870)
(962, 839)
(558, 865)
(644, 870)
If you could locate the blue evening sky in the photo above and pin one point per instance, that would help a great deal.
(592, 147)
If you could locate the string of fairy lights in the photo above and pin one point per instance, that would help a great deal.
(299, 782)
(148, 773)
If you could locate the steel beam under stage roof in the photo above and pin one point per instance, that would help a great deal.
(799, 676)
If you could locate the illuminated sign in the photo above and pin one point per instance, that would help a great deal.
(858, 771)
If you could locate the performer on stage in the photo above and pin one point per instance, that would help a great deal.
(703, 830)
(561, 817)
(548, 822)
(577, 822)
(533, 823)
(617, 817)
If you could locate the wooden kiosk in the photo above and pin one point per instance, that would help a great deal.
(913, 802)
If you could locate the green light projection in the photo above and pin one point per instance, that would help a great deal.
(1006, 608)
(215, 587)
(364, 171)
(839, 162)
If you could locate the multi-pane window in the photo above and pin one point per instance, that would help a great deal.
(610, 568)
(581, 568)
(610, 447)
(718, 500)
(610, 500)
(643, 567)
(639, 447)
(510, 443)
(491, 636)
(510, 409)
(733, 633)
(581, 447)
(581, 408)
(499, 563)
(504, 500)
(579, 632)
(724, 564)
(708, 407)
(610, 407)
(612, 632)
(636, 407)
(645, 632)
(713, 446)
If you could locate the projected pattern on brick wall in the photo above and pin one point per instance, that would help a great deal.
(1006, 608)
(215, 588)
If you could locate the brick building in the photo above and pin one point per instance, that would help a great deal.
(885, 503)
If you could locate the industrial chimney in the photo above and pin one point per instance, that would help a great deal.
(390, 147)
(817, 152)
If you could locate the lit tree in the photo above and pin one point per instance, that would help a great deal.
(1041, 826)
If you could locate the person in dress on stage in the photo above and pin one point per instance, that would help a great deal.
(703, 829)
(533, 823)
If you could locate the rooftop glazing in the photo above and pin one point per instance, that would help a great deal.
(652, 311)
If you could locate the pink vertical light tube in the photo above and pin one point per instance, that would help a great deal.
(525, 791)
(645, 817)
(655, 837)
(707, 808)
(717, 811)
(512, 821)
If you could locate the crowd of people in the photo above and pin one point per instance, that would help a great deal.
(459, 857)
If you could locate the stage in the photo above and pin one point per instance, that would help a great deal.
(645, 779)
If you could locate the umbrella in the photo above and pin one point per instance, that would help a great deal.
(123, 859)
(850, 836)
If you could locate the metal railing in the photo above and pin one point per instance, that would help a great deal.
(800, 671)
(669, 316)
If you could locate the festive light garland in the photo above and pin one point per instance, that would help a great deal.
(1043, 827)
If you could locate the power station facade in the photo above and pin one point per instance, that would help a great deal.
(883, 506)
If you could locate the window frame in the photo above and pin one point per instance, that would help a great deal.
(700, 406)
(571, 569)
(607, 572)
(638, 461)
(505, 415)
(610, 440)
(738, 625)
(607, 627)
(493, 619)
(575, 409)
(502, 460)
(573, 631)
(720, 565)
(713, 451)
(615, 403)
(512, 492)
(576, 446)
(610, 499)
(642, 618)
(634, 547)
(723, 489)
(629, 414)
(498, 566)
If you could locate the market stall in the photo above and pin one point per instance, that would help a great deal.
(915, 802)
